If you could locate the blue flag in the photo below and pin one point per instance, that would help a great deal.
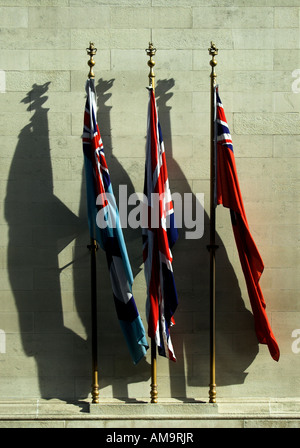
(105, 228)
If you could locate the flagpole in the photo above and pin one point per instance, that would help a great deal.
(213, 51)
(93, 247)
(153, 393)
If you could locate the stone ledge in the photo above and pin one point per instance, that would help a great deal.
(170, 414)
(223, 409)
(118, 410)
(153, 410)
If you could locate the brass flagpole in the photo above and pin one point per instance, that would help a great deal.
(153, 394)
(213, 51)
(93, 247)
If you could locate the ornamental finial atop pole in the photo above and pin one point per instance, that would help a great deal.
(151, 52)
(91, 51)
(213, 51)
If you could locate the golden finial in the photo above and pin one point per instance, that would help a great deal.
(91, 51)
(213, 51)
(151, 52)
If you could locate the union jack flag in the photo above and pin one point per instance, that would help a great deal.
(108, 232)
(229, 194)
(158, 238)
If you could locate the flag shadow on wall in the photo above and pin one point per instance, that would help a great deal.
(41, 226)
(236, 343)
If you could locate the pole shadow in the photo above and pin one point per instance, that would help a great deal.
(236, 343)
(40, 227)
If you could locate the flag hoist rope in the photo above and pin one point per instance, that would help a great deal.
(153, 393)
(93, 247)
(213, 51)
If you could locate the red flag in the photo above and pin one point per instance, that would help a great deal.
(229, 194)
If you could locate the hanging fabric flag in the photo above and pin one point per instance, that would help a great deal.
(159, 235)
(105, 228)
(229, 194)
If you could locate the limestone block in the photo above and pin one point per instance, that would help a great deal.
(286, 102)
(266, 124)
(62, 60)
(22, 81)
(286, 17)
(65, 17)
(286, 146)
(128, 17)
(286, 60)
(22, 3)
(126, 3)
(266, 38)
(104, 38)
(14, 60)
(128, 60)
(27, 39)
(191, 38)
(255, 146)
(233, 17)
(168, 18)
(14, 17)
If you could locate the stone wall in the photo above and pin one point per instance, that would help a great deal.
(45, 322)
